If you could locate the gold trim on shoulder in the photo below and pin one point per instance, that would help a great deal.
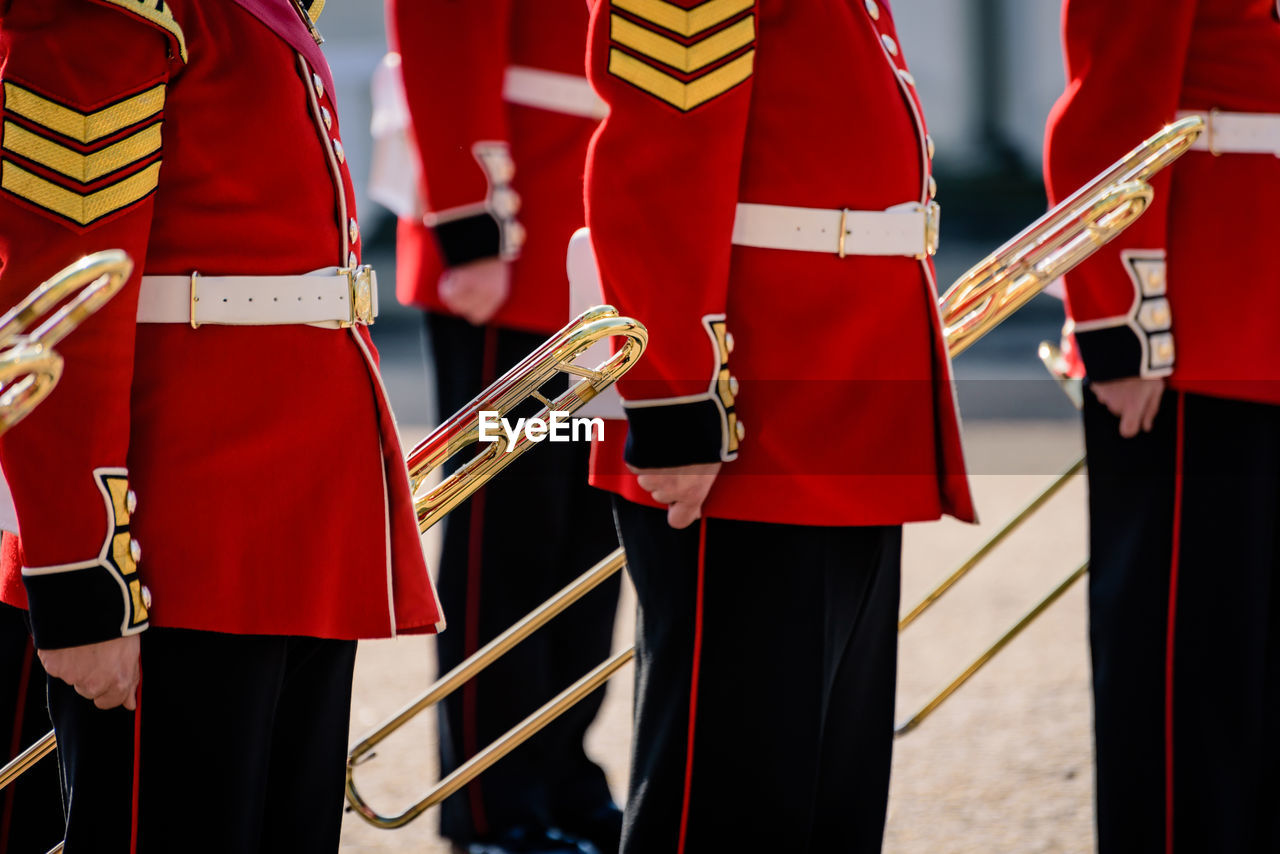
(314, 9)
(157, 12)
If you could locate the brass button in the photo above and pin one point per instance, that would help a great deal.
(733, 386)
(135, 551)
(353, 229)
(337, 150)
(906, 77)
(505, 202)
(352, 260)
(146, 597)
(1156, 280)
(741, 431)
(728, 341)
(327, 117)
(515, 235)
(318, 84)
(928, 144)
(131, 502)
(873, 10)
(890, 45)
(933, 187)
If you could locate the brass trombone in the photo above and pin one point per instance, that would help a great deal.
(968, 298)
(29, 366)
(982, 298)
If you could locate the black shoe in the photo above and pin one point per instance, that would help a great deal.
(528, 840)
(602, 828)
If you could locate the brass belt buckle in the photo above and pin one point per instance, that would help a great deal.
(360, 284)
(932, 226)
(193, 297)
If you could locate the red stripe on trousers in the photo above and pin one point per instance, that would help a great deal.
(693, 687)
(475, 555)
(1169, 640)
(15, 743)
(137, 763)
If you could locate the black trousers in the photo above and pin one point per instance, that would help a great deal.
(524, 536)
(766, 661)
(1184, 605)
(239, 745)
(30, 808)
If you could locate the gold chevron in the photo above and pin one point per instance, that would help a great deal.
(673, 53)
(79, 207)
(685, 22)
(83, 127)
(158, 13)
(82, 167)
(677, 93)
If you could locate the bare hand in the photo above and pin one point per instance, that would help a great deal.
(106, 672)
(1134, 400)
(682, 489)
(477, 290)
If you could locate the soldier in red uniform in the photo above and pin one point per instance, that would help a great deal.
(216, 485)
(501, 116)
(1174, 325)
(760, 197)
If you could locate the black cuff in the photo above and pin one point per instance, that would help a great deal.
(1110, 354)
(469, 238)
(79, 606)
(677, 434)
(1116, 352)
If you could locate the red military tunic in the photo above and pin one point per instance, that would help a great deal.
(830, 371)
(1183, 292)
(271, 490)
(515, 94)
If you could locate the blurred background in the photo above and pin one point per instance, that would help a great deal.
(1005, 766)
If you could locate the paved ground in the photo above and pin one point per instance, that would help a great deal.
(1004, 766)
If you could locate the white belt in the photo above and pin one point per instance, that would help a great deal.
(331, 298)
(1237, 133)
(551, 90)
(909, 229)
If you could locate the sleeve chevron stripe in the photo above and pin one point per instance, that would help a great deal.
(679, 56)
(684, 22)
(78, 126)
(685, 57)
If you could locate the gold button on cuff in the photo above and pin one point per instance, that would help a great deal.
(353, 229)
(928, 144)
(890, 45)
(338, 151)
(873, 10)
(327, 117)
(146, 597)
(131, 502)
(318, 84)
(933, 187)
(728, 341)
(135, 551)
(515, 235)
(741, 431)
